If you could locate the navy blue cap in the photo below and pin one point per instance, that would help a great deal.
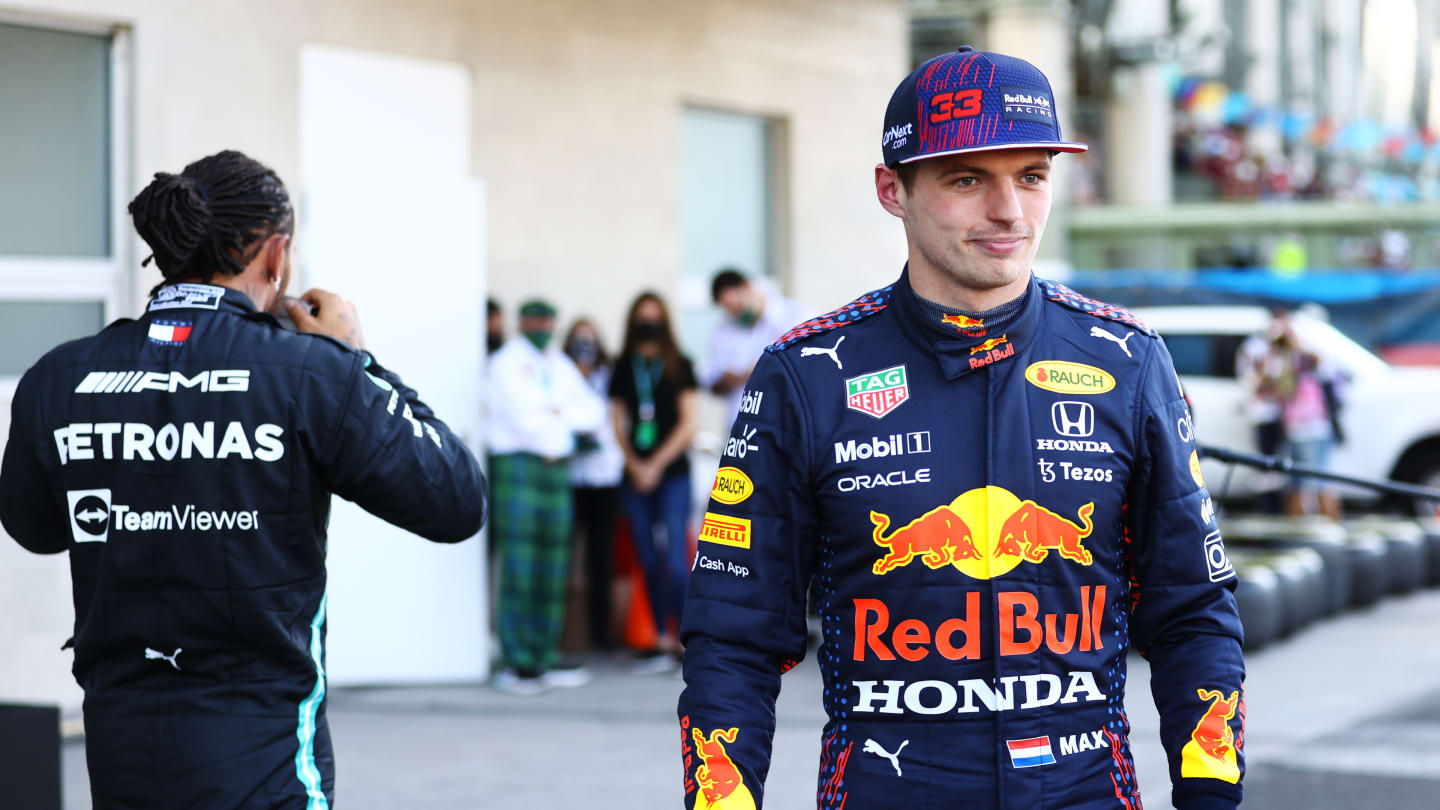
(971, 101)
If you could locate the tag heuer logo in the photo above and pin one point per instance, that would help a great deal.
(878, 392)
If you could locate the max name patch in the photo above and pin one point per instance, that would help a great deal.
(1027, 104)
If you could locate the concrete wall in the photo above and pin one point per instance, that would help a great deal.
(576, 118)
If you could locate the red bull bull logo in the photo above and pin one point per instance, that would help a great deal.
(984, 533)
(721, 785)
(966, 325)
(1211, 750)
(988, 345)
(990, 351)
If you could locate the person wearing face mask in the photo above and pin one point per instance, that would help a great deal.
(595, 481)
(538, 406)
(494, 326)
(652, 406)
(755, 314)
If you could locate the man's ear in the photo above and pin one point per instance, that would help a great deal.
(277, 253)
(890, 191)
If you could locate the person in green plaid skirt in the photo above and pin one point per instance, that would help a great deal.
(539, 412)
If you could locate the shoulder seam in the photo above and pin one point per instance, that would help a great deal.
(1068, 298)
(871, 303)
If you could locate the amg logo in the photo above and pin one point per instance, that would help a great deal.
(1074, 445)
(133, 382)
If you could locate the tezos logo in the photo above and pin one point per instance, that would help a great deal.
(89, 515)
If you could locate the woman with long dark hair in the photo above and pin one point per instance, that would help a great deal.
(653, 403)
(595, 472)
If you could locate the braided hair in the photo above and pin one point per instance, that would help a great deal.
(208, 218)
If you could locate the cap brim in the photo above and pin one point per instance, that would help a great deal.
(1054, 146)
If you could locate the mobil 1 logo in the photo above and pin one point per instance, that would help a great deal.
(896, 444)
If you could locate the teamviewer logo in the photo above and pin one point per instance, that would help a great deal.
(89, 515)
(1074, 419)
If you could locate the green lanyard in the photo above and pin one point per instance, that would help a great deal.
(647, 431)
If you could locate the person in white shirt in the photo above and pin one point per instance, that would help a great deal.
(595, 483)
(537, 406)
(756, 315)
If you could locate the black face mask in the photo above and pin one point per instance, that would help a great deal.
(493, 341)
(647, 330)
(584, 350)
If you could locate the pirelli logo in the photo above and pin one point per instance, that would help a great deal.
(133, 382)
(725, 530)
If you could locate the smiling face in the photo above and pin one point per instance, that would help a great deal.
(973, 221)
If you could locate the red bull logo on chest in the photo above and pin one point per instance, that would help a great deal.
(984, 533)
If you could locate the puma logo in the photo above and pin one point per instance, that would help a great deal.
(813, 350)
(156, 655)
(872, 747)
(1096, 331)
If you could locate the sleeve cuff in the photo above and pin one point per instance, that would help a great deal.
(1205, 801)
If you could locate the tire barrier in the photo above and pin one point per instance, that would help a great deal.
(1407, 563)
(1369, 568)
(1257, 594)
(1293, 571)
(1431, 527)
(1324, 537)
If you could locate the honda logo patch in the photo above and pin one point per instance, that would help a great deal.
(1074, 419)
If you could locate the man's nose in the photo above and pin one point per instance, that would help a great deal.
(1003, 202)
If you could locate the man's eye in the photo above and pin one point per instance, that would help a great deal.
(966, 181)
(1034, 178)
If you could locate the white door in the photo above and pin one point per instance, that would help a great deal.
(391, 219)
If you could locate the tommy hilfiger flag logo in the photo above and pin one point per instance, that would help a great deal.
(1031, 752)
(170, 333)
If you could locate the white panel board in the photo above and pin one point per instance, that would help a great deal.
(391, 220)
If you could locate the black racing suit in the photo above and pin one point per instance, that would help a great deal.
(186, 461)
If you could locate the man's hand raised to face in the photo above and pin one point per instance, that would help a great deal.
(333, 316)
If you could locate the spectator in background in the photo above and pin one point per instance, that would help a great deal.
(755, 316)
(494, 326)
(595, 480)
(1299, 380)
(1263, 407)
(538, 404)
(653, 404)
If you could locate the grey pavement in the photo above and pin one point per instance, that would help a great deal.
(1344, 715)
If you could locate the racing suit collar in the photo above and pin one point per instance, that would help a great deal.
(186, 295)
(966, 348)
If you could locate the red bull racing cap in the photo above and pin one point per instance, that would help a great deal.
(971, 101)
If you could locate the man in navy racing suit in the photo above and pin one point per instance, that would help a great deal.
(185, 460)
(989, 486)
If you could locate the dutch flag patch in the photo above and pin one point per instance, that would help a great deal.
(1031, 752)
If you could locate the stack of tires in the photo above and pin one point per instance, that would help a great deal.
(1293, 571)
